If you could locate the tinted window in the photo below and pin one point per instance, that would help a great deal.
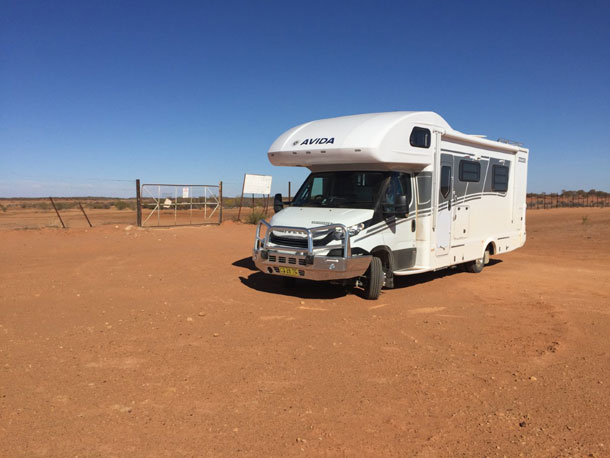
(470, 171)
(499, 180)
(445, 180)
(341, 190)
(420, 137)
(400, 184)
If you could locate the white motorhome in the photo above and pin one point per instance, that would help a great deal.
(392, 194)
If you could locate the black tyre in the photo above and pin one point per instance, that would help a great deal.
(373, 280)
(477, 265)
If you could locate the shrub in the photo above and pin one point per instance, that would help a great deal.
(62, 205)
(255, 217)
(125, 204)
(100, 205)
(44, 206)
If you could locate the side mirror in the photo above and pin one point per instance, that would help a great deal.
(399, 208)
(402, 208)
(277, 202)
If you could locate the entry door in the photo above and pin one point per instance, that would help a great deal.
(443, 218)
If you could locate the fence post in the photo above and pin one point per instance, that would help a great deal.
(57, 211)
(220, 197)
(241, 200)
(138, 204)
(83, 210)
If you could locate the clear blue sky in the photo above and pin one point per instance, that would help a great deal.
(195, 92)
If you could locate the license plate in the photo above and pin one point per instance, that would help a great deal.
(289, 271)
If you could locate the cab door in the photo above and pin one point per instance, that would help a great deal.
(444, 211)
(399, 234)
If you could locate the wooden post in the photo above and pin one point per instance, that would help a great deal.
(252, 203)
(266, 204)
(220, 198)
(289, 192)
(57, 211)
(83, 210)
(241, 201)
(138, 204)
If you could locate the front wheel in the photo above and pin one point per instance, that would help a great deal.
(374, 279)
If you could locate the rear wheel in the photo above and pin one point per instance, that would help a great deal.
(374, 279)
(477, 265)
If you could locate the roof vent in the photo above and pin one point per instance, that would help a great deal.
(509, 142)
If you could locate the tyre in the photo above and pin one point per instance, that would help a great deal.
(373, 279)
(476, 266)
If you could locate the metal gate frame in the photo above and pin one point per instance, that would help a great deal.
(210, 199)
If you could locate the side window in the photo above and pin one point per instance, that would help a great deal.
(499, 178)
(420, 137)
(470, 171)
(400, 184)
(424, 189)
(445, 181)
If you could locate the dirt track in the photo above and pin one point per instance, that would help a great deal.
(158, 342)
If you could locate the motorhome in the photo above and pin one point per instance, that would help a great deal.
(392, 194)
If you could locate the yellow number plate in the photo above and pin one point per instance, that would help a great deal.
(289, 271)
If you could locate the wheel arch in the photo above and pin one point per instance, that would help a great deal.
(384, 252)
(492, 245)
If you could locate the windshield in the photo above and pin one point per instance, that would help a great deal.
(341, 190)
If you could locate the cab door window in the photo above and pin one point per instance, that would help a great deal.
(399, 184)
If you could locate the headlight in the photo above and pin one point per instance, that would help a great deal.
(352, 230)
(355, 229)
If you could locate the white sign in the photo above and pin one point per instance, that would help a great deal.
(257, 184)
(185, 193)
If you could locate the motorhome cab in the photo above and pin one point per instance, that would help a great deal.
(392, 194)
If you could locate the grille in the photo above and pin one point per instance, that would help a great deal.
(300, 242)
(286, 260)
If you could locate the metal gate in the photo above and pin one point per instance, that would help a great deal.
(164, 205)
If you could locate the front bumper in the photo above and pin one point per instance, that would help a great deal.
(305, 263)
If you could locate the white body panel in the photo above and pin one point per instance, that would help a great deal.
(444, 226)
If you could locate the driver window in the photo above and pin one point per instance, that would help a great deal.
(400, 184)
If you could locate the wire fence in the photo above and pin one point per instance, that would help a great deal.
(544, 201)
(75, 205)
(67, 210)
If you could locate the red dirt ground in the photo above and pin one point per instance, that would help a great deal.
(166, 343)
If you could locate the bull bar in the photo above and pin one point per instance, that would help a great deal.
(303, 262)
